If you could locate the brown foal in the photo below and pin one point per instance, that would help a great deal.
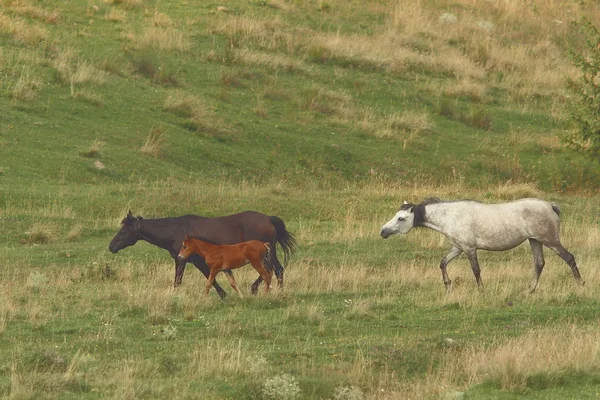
(221, 257)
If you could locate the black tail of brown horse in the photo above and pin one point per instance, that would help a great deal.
(285, 239)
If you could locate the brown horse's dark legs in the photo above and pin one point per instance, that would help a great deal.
(265, 275)
(472, 256)
(179, 270)
(570, 260)
(538, 261)
(454, 252)
(277, 268)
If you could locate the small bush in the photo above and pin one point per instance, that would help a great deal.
(282, 387)
(348, 393)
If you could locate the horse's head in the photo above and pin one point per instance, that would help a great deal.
(402, 222)
(186, 248)
(128, 235)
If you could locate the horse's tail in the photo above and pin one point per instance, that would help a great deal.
(556, 208)
(286, 240)
(267, 260)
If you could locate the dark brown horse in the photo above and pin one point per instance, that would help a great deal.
(168, 234)
(225, 257)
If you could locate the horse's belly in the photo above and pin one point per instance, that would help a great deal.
(501, 243)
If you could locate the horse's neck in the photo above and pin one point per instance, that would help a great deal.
(202, 247)
(434, 218)
(152, 231)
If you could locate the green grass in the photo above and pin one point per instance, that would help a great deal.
(329, 115)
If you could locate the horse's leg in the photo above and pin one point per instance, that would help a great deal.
(232, 282)
(266, 275)
(201, 265)
(454, 252)
(179, 270)
(255, 285)
(211, 279)
(472, 255)
(277, 267)
(569, 259)
(538, 260)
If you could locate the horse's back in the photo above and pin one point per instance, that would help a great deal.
(499, 226)
(231, 229)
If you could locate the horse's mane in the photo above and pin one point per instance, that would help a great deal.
(419, 209)
(130, 219)
(204, 240)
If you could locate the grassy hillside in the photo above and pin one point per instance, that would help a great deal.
(288, 90)
(327, 114)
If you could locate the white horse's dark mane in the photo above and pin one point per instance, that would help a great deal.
(419, 209)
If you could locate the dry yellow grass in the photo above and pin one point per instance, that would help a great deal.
(41, 232)
(159, 38)
(154, 143)
(22, 31)
(161, 20)
(26, 87)
(115, 15)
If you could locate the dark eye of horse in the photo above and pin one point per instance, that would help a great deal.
(400, 219)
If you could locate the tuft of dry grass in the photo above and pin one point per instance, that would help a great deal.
(154, 143)
(75, 232)
(220, 358)
(27, 86)
(126, 3)
(41, 233)
(161, 39)
(184, 104)
(161, 20)
(94, 150)
(73, 70)
(260, 109)
(513, 191)
(466, 88)
(115, 15)
(28, 34)
(89, 97)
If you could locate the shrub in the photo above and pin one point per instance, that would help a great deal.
(585, 107)
(281, 387)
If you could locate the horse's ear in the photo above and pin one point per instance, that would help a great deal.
(186, 236)
(405, 202)
(129, 214)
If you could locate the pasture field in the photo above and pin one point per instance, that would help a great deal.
(327, 114)
(356, 311)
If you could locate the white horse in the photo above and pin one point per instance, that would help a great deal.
(470, 225)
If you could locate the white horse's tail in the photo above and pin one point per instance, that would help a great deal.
(556, 208)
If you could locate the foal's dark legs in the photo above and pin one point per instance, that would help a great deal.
(454, 252)
(538, 261)
(569, 259)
